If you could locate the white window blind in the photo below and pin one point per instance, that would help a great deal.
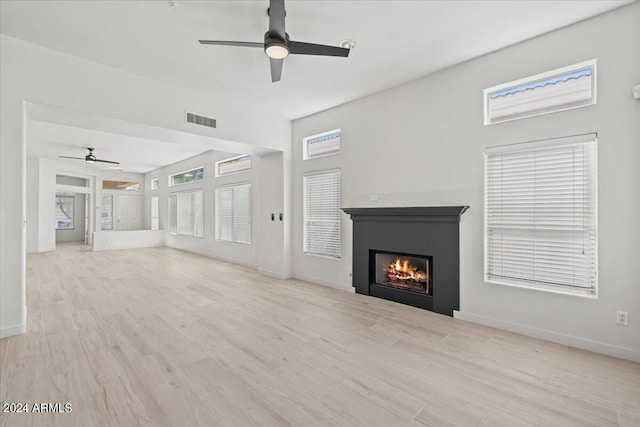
(189, 213)
(198, 213)
(224, 214)
(233, 213)
(556, 90)
(154, 213)
(321, 145)
(106, 215)
(541, 215)
(173, 213)
(185, 216)
(321, 232)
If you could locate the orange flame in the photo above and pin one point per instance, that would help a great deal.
(402, 270)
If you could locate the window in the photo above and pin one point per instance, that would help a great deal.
(233, 213)
(155, 184)
(556, 90)
(234, 165)
(154, 213)
(64, 212)
(186, 213)
(187, 176)
(324, 144)
(121, 185)
(106, 216)
(321, 232)
(540, 215)
(173, 213)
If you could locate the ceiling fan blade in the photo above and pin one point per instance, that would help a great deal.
(74, 158)
(276, 19)
(107, 161)
(276, 69)
(232, 43)
(303, 48)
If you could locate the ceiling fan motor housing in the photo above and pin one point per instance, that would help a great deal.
(275, 47)
(90, 158)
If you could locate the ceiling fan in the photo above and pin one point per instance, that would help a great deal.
(90, 158)
(277, 44)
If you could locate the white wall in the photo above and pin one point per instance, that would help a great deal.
(41, 193)
(39, 75)
(422, 144)
(268, 250)
(32, 182)
(128, 239)
(271, 250)
(207, 245)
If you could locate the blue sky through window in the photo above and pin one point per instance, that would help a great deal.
(540, 83)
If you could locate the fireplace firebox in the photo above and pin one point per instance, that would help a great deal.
(405, 272)
(409, 255)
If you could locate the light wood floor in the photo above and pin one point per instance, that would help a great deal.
(159, 337)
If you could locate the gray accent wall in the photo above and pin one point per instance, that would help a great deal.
(421, 144)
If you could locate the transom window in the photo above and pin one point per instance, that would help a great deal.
(121, 185)
(323, 144)
(233, 165)
(540, 215)
(561, 89)
(192, 175)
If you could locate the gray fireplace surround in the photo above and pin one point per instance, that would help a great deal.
(431, 231)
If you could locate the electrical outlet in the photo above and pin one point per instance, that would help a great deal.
(622, 318)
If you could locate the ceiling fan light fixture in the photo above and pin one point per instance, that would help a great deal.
(276, 50)
(90, 159)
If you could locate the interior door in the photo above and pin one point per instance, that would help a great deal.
(129, 212)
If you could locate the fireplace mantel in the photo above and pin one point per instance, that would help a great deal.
(412, 214)
(431, 231)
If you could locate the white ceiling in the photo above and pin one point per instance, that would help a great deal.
(135, 154)
(55, 131)
(397, 41)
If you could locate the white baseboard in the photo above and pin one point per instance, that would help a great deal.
(569, 340)
(10, 331)
(221, 258)
(317, 281)
(273, 274)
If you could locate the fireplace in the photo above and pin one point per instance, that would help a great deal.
(406, 272)
(408, 255)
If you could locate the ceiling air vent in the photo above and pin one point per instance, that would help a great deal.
(201, 120)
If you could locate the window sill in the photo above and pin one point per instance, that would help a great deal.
(581, 293)
(323, 256)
